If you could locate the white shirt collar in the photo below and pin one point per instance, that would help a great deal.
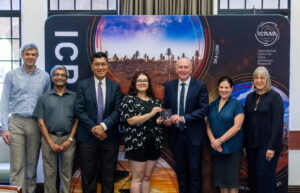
(103, 81)
(187, 82)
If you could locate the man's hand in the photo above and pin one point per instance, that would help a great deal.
(176, 119)
(6, 137)
(65, 145)
(98, 131)
(55, 147)
(103, 136)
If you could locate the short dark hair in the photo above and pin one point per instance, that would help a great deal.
(99, 55)
(226, 79)
(132, 89)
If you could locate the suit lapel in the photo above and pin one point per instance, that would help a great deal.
(175, 95)
(92, 88)
(189, 93)
(108, 93)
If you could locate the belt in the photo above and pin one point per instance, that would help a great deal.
(20, 116)
(59, 134)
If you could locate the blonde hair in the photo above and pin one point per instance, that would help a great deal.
(263, 71)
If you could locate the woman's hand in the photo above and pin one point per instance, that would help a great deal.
(216, 145)
(155, 110)
(270, 154)
(159, 121)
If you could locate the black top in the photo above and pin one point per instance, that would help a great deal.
(135, 135)
(263, 123)
(57, 111)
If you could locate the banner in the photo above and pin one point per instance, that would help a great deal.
(217, 46)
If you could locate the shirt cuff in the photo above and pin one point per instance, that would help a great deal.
(104, 126)
(4, 128)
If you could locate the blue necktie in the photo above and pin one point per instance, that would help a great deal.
(100, 105)
(181, 99)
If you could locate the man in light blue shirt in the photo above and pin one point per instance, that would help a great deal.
(21, 91)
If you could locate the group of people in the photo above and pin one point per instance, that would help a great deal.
(90, 118)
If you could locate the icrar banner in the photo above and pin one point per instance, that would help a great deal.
(217, 46)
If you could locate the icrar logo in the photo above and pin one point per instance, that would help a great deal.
(267, 33)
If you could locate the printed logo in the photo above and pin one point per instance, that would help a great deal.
(267, 33)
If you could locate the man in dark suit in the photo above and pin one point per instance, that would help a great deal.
(188, 99)
(97, 107)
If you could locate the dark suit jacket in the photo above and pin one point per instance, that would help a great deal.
(196, 109)
(86, 110)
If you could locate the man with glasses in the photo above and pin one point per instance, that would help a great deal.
(55, 113)
(22, 88)
(97, 106)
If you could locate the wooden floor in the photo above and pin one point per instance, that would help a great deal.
(163, 178)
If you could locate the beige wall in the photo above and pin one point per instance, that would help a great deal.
(294, 123)
(34, 14)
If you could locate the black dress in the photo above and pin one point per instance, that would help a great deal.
(263, 130)
(143, 141)
(263, 125)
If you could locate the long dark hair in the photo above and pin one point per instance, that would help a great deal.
(132, 89)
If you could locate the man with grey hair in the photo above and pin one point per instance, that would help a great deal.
(21, 90)
(188, 99)
(58, 126)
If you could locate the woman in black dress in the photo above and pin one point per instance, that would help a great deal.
(143, 136)
(263, 132)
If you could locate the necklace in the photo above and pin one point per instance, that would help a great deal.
(258, 100)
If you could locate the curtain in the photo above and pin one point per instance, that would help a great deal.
(166, 7)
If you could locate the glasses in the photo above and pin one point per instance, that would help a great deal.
(59, 74)
(98, 64)
(141, 81)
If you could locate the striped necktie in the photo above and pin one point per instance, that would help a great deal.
(100, 104)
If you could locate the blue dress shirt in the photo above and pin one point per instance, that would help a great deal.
(222, 121)
(21, 91)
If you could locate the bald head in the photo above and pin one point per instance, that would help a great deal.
(185, 61)
(183, 69)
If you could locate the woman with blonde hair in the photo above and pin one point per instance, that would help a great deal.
(263, 132)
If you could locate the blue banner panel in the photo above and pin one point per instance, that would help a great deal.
(217, 46)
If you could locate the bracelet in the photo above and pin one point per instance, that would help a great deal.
(71, 139)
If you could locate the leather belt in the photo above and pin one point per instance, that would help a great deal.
(59, 134)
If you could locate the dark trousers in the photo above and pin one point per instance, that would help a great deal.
(188, 158)
(261, 171)
(92, 154)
